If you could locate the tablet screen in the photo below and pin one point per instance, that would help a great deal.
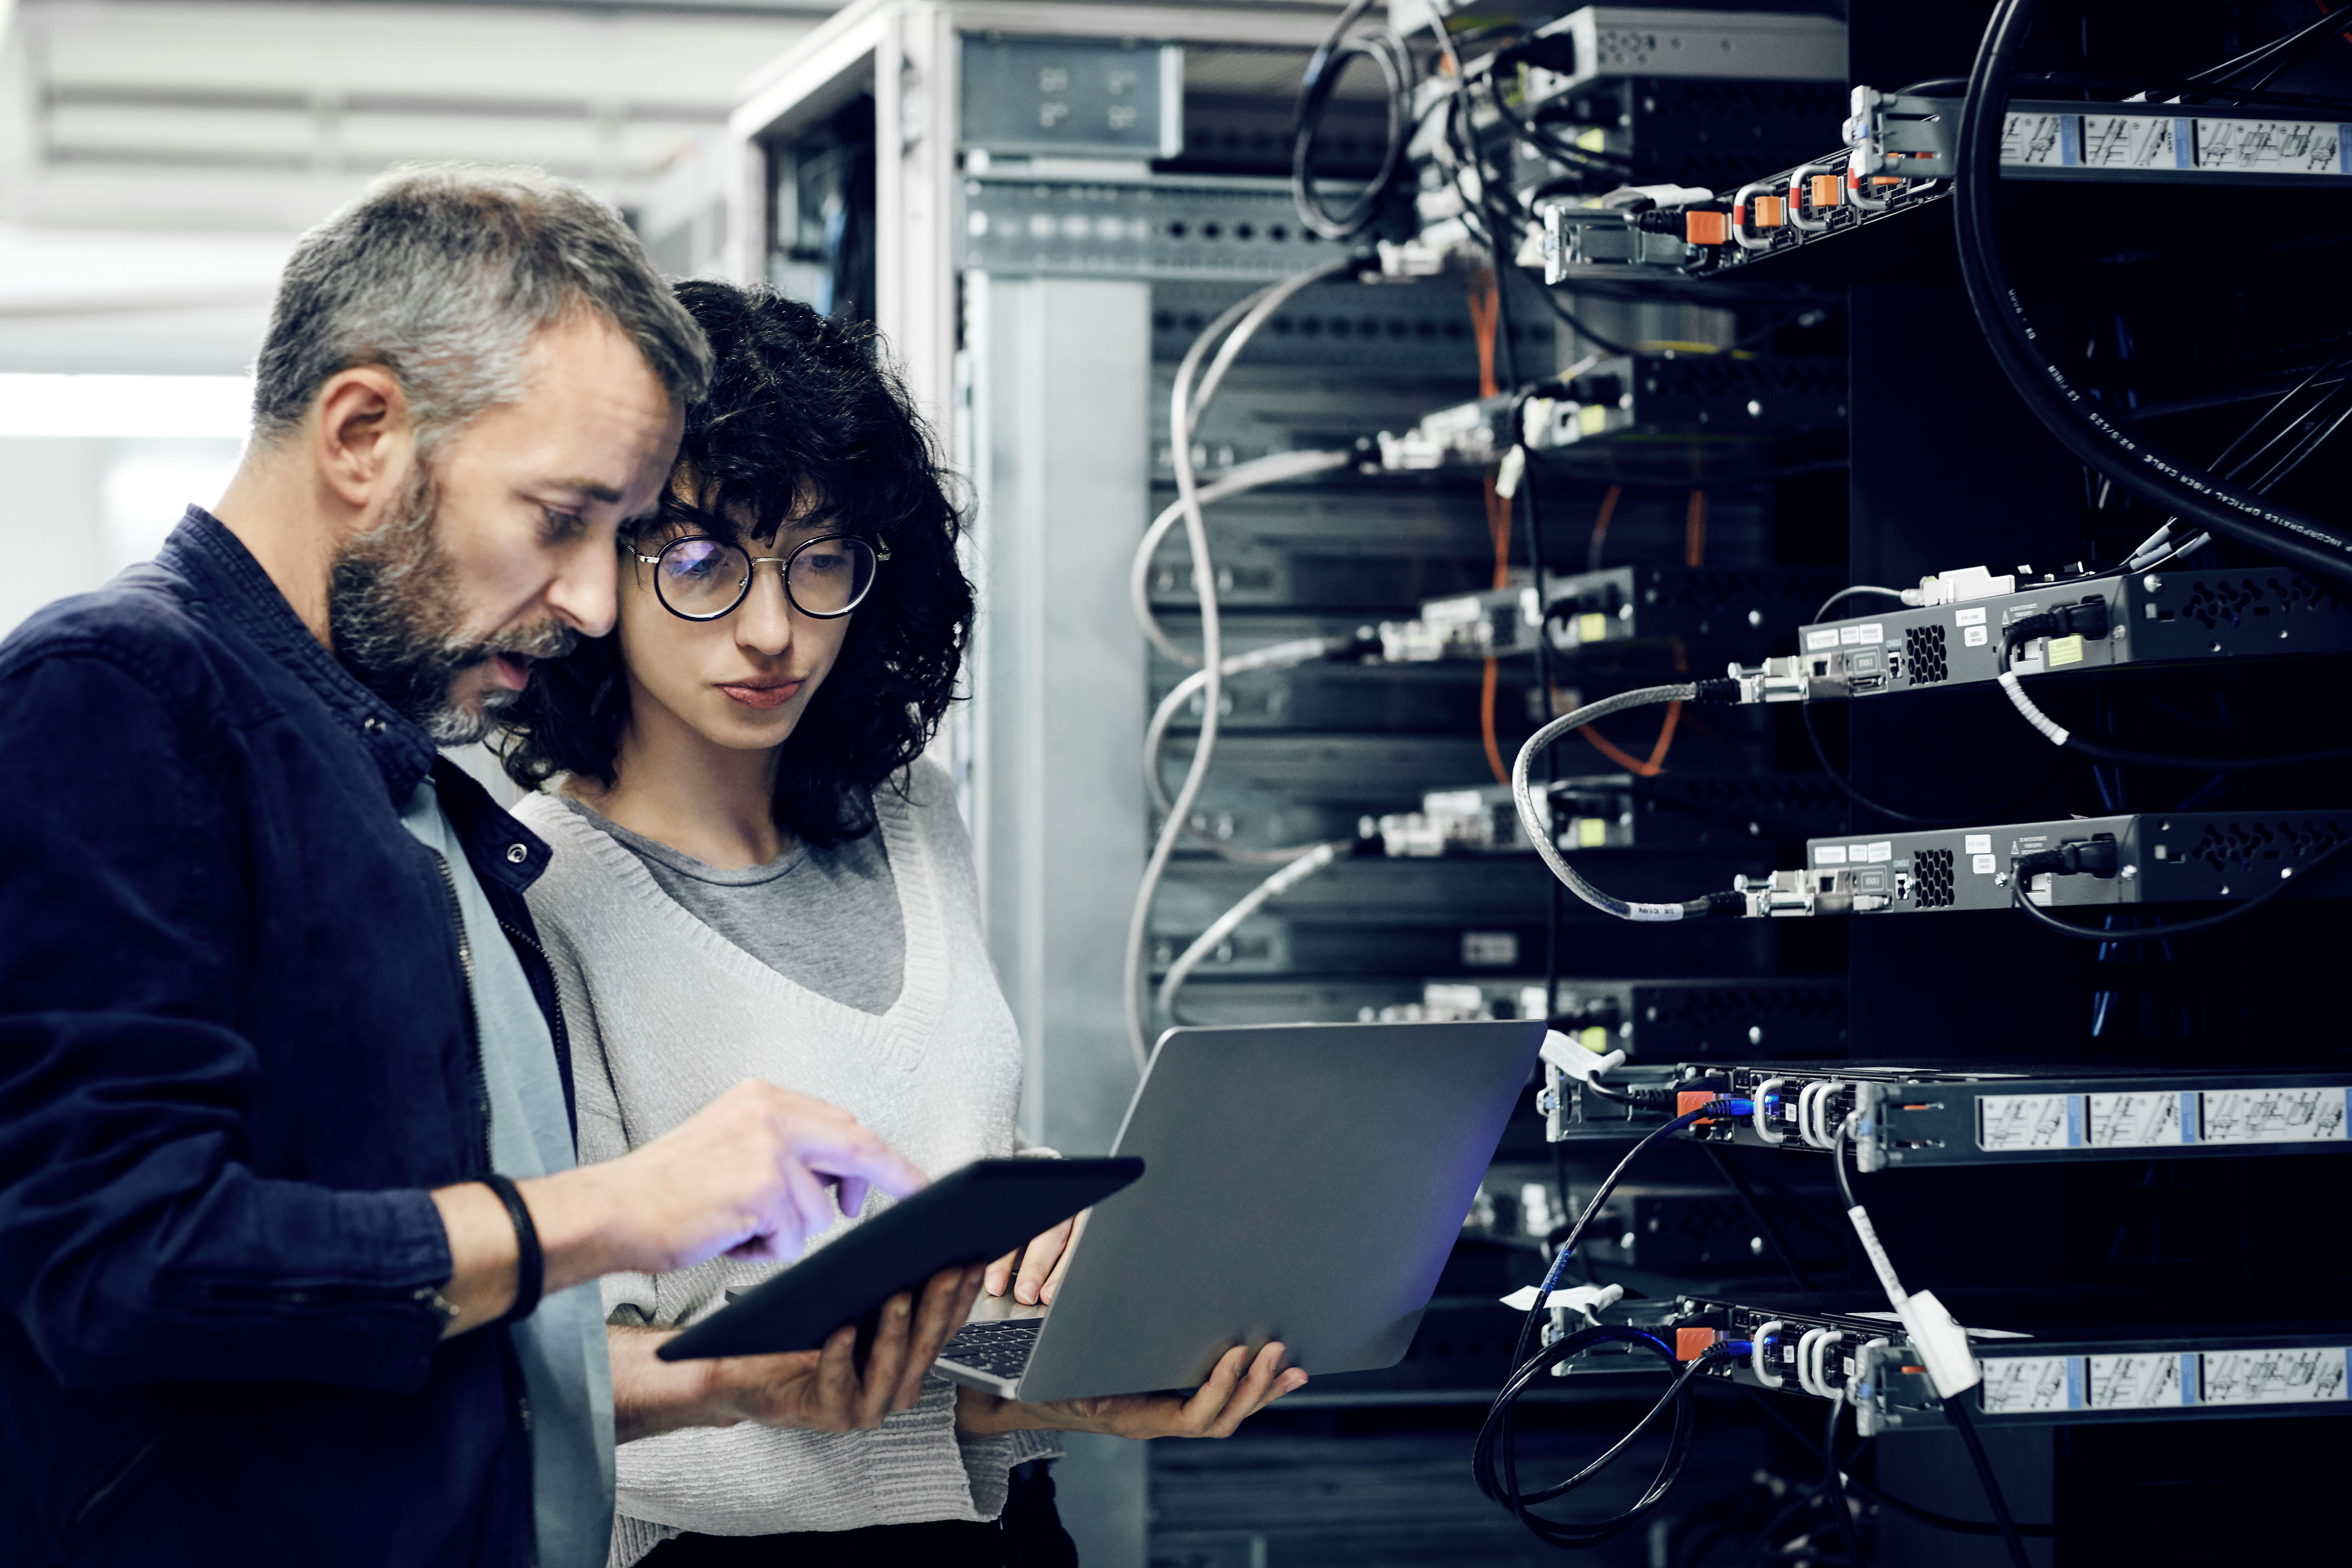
(977, 1213)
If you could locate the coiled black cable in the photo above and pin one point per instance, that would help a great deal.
(2078, 423)
(1494, 1462)
(1387, 52)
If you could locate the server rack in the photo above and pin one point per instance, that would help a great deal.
(1037, 297)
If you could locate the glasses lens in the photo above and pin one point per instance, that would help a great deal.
(701, 577)
(829, 577)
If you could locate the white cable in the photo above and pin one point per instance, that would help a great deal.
(1809, 1378)
(1797, 177)
(1855, 180)
(1758, 1362)
(1740, 204)
(1847, 592)
(1806, 1098)
(2055, 732)
(1254, 474)
(1273, 887)
(1279, 656)
(1764, 1129)
(1183, 416)
(1535, 820)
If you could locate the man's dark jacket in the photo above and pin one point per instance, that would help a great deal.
(236, 1052)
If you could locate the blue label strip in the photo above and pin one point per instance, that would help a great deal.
(2191, 1114)
(2192, 1367)
(2076, 1105)
(2070, 140)
(2077, 1380)
(2184, 143)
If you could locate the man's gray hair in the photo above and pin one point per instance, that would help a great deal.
(442, 274)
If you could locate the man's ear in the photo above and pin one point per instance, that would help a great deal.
(365, 443)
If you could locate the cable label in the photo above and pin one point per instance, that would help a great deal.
(1653, 912)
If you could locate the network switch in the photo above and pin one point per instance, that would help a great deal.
(1620, 811)
(1900, 1116)
(1615, 606)
(2140, 618)
(2051, 1359)
(1631, 402)
(2084, 862)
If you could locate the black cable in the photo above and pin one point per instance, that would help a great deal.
(1495, 1464)
(2044, 917)
(1813, 734)
(1835, 1483)
(1501, 237)
(1755, 1207)
(1956, 1407)
(1583, 1221)
(1876, 1492)
(2277, 53)
(1316, 90)
(1837, 1164)
(2088, 432)
(1575, 322)
(2101, 751)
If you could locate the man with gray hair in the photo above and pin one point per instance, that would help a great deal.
(296, 1263)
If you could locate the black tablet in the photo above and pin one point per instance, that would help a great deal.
(977, 1213)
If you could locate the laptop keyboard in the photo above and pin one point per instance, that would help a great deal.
(999, 1349)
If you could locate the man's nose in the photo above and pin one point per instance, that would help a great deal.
(586, 591)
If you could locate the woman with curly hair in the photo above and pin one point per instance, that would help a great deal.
(757, 873)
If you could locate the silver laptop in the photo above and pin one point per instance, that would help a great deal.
(1302, 1183)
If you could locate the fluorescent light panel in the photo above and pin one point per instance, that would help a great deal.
(129, 407)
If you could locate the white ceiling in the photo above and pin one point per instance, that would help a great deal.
(157, 157)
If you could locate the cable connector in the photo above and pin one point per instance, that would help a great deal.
(1793, 893)
(1774, 680)
(1572, 1058)
(2086, 619)
(1957, 588)
(1942, 1344)
(2098, 858)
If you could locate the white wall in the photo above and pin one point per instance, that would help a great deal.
(79, 510)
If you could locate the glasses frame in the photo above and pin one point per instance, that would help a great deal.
(784, 573)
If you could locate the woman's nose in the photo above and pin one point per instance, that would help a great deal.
(764, 622)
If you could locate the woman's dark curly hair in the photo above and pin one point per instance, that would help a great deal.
(802, 413)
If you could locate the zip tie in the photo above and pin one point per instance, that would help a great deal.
(2034, 716)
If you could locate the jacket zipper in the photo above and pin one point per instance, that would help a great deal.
(121, 1477)
(473, 1023)
(481, 1080)
(555, 1014)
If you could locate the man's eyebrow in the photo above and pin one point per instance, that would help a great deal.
(587, 489)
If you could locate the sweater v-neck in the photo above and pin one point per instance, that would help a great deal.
(899, 1033)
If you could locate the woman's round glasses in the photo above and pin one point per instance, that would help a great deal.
(700, 579)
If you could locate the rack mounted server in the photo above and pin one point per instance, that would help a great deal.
(2114, 863)
(2143, 618)
(1911, 1117)
(2051, 1363)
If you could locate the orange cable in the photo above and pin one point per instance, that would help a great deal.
(1695, 530)
(1600, 527)
(1498, 530)
(1485, 312)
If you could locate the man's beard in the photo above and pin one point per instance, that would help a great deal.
(396, 619)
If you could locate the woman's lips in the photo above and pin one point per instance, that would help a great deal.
(762, 697)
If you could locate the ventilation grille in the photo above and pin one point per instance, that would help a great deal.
(2236, 600)
(1923, 655)
(2256, 843)
(1934, 870)
(1705, 1006)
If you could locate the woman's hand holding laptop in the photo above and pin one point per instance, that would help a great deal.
(812, 1391)
(1239, 1388)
